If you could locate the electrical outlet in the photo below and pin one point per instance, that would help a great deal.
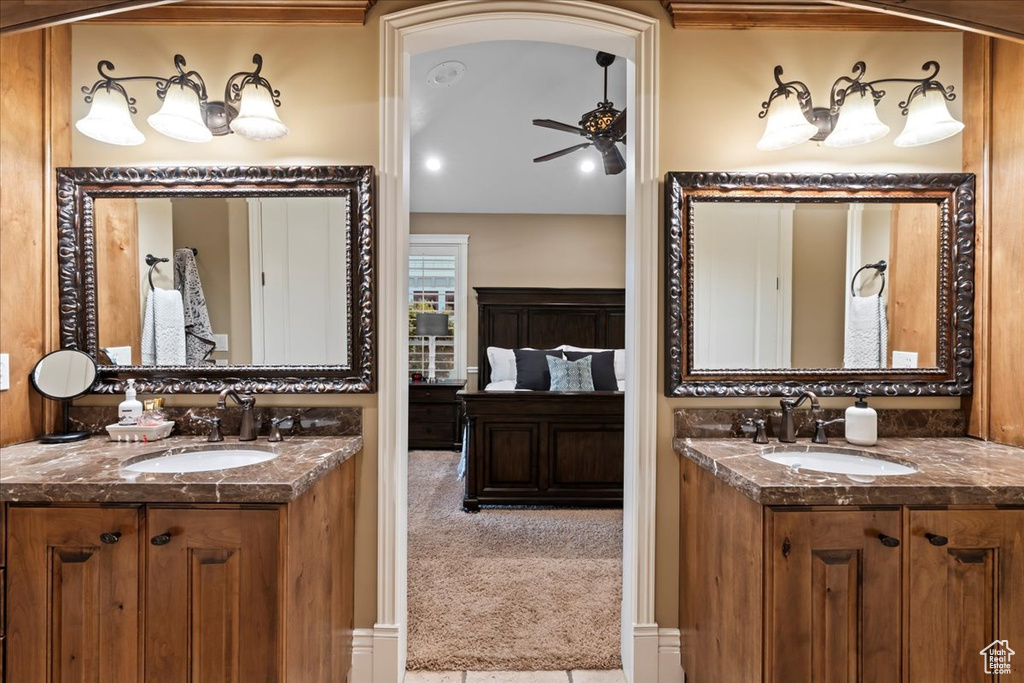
(120, 355)
(904, 359)
(5, 372)
(220, 361)
(221, 342)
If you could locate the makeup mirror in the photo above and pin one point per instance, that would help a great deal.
(62, 376)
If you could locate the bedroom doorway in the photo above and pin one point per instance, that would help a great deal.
(593, 27)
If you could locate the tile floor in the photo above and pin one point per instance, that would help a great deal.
(514, 677)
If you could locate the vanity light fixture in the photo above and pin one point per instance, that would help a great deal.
(851, 118)
(249, 107)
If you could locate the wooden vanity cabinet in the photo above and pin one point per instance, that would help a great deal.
(185, 594)
(843, 593)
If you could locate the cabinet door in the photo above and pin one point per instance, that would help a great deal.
(966, 573)
(213, 596)
(833, 607)
(73, 595)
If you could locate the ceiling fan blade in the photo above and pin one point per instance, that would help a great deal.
(618, 125)
(556, 125)
(613, 161)
(562, 152)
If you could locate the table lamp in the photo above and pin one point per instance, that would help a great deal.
(432, 325)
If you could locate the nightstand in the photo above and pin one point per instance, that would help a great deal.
(435, 417)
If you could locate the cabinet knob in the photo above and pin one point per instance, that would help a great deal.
(110, 538)
(889, 541)
(935, 539)
(162, 539)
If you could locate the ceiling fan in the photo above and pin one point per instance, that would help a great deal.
(603, 127)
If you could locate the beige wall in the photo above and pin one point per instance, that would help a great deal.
(819, 274)
(531, 250)
(712, 84)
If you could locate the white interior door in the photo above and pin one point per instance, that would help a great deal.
(300, 297)
(742, 285)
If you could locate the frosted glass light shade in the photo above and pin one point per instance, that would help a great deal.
(180, 117)
(257, 116)
(110, 121)
(786, 125)
(928, 120)
(858, 122)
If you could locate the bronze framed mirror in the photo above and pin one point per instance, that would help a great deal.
(192, 279)
(839, 284)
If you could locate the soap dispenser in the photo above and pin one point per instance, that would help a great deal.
(861, 423)
(130, 410)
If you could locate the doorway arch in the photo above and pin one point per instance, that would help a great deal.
(573, 22)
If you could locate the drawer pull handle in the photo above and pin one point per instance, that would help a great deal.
(110, 538)
(889, 541)
(162, 539)
(935, 539)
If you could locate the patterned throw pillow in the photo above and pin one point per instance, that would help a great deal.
(571, 375)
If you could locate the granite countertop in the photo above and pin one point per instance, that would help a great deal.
(89, 471)
(951, 471)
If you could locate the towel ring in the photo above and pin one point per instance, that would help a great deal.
(152, 262)
(880, 267)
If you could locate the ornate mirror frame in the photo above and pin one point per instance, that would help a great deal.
(77, 190)
(954, 194)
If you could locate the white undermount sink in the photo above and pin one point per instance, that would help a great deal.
(862, 467)
(199, 460)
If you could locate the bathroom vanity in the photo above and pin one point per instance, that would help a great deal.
(235, 574)
(795, 575)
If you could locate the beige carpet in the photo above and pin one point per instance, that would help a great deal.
(513, 589)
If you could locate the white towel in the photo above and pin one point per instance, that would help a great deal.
(163, 329)
(867, 334)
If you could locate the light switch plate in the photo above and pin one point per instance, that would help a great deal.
(5, 372)
(221, 341)
(120, 355)
(904, 359)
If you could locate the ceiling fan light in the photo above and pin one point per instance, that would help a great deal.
(928, 121)
(109, 120)
(181, 117)
(858, 122)
(257, 115)
(786, 126)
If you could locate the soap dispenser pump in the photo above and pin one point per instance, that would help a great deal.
(861, 423)
(130, 410)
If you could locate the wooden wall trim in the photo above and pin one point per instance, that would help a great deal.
(998, 18)
(24, 15)
(288, 12)
(797, 15)
(977, 159)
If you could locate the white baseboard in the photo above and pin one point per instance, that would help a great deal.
(669, 668)
(362, 655)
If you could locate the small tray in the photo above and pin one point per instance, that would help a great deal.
(155, 432)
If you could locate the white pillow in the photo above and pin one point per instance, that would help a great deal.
(504, 385)
(620, 358)
(503, 364)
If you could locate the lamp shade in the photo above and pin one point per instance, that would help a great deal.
(928, 120)
(431, 325)
(786, 125)
(180, 117)
(858, 122)
(257, 115)
(109, 120)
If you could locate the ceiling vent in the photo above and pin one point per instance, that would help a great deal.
(446, 74)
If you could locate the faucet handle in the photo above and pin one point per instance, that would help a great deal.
(760, 435)
(214, 422)
(819, 429)
(275, 428)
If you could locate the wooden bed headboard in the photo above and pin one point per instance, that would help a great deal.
(545, 317)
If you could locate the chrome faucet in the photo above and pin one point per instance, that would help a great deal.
(247, 431)
(787, 433)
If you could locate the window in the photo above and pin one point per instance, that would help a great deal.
(437, 284)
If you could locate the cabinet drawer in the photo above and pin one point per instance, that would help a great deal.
(441, 431)
(431, 412)
(429, 393)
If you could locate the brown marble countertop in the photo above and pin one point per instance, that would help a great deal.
(90, 471)
(951, 471)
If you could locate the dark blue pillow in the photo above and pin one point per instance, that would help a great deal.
(532, 368)
(602, 368)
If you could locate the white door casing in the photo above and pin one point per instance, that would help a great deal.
(572, 22)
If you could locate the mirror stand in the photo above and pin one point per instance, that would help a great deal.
(65, 436)
(64, 375)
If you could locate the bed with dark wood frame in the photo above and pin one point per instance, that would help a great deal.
(545, 448)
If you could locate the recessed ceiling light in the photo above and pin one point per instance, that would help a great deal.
(587, 165)
(446, 74)
(433, 164)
